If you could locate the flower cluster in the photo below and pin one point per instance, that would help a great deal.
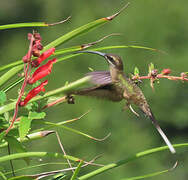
(35, 48)
(41, 71)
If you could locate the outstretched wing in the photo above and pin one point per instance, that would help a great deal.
(100, 77)
(103, 89)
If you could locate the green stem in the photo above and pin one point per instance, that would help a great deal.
(65, 89)
(3, 176)
(74, 176)
(10, 74)
(30, 137)
(124, 161)
(37, 154)
(21, 25)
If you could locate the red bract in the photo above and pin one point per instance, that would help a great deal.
(42, 71)
(33, 93)
(166, 71)
(42, 57)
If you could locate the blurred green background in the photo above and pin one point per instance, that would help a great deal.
(160, 24)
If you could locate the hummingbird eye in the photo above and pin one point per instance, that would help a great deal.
(111, 60)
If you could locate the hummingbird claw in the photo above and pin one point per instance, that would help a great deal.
(70, 99)
(131, 108)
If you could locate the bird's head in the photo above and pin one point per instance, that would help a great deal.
(113, 60)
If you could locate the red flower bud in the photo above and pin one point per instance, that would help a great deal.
(29, 36)
(42, 57)
(166, 71)
(25, 58)
(37, 36)
(33, 93)
(36, 53)
(42, 71)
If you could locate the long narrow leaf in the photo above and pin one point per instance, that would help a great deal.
(70, 35)
(37, 154)
(125, 161)
(75, 174)
(79, 47)
(30, 24)
(148, 175)
(3, 176)
(64, 89)
(51, 124)
(10, 74)
(83, 29)
(21, 25)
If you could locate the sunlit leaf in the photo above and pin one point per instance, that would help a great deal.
(36, 115)
(24, 126)
(3, 97)
(136, 71)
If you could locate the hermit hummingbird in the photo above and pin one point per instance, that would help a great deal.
(114, 85)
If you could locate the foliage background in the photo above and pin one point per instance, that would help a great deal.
(158, 24)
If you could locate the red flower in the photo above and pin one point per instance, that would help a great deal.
(42, 71)
(166, 71)
(33, 93)
(42, 57)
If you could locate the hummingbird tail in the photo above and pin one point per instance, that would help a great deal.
(168, 143)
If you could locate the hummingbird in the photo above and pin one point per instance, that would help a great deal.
(114, 85)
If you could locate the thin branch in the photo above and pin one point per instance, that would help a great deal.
(45, 174)
(160, 76)
(62, 148)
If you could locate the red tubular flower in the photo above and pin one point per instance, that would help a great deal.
(42, 71)
(42, 57)
(33, 93)
(166, 71)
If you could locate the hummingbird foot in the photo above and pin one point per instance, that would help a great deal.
(70, 99)
(128, 106)
(134, 112)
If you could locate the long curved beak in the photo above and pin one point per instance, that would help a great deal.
(93, 52)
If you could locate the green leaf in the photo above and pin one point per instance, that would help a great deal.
(63, 90)
(75, 174)
(59, 176)
(91, 69)
(22, 178)
(83, 29)
(151, 174)
(5, 77)
(36, 115)
(24, 126)
(127, 160)
(76, 48)
(3, 176)
(136, 71)
(3, 97)
(37, 154)
(70, 35)
(151, 67)
(25, 122)
(2, 134)
(17, 146)
(21, 25)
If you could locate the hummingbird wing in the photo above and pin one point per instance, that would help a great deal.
(103, 89)
(102, 92)
(100, 77)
